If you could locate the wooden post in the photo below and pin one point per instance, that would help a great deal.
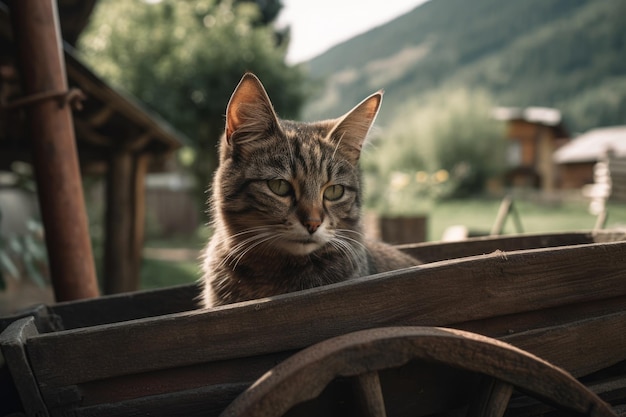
(399, 230)
(142, 162)
(117, 249)
(506, 207)
(124, 221)
(37, 37)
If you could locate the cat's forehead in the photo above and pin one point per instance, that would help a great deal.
(306, 131)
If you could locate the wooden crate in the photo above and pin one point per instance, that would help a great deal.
(561, 297)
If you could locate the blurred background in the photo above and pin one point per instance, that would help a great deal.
(485, 102)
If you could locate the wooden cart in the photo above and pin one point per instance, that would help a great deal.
(559, 299)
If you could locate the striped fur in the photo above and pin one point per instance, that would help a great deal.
(267, 243)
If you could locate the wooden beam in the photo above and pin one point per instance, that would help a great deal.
(139, 142)
(44, 83)
(142, 162)
(85, 131)
(117, 222)
(485, 287)
(124, 221)
(123, 104)
(101, 117)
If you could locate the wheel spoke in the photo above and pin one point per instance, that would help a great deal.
(492, 398)
(369, 395)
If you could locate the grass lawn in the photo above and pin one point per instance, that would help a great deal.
(157, 273)
(477, 214)
(181, 266)
(480, 214)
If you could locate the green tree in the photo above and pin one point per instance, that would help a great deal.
(184, 59)
(442, 146)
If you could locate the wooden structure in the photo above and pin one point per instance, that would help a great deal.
(577, 159)
(47, 104)
(406, 229)
(533, 134)
(364, 357)
(560, 297)
(115, 135)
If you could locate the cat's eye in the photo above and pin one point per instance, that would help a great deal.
(279, 187)
(334, 192)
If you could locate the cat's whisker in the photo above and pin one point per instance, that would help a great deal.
(225, 241)
(268, 237)
(346, 249)
(341, 234)
(239, 251)
(348, 231)
(242, 246)
(234, 250)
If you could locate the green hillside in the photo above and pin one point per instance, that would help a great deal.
(569, 54)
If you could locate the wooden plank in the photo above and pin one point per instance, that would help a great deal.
(126, 306)
(436, 294)
(235, 371)
(130, 306)
(581, 347)
(135, 305)
(509, 324)
(439, 251)
(579, 359)
(194, 404)
(612, 391)
(45, 321)
(12, 341)
(205, 401)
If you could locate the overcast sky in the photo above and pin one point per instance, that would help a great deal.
(318, 25)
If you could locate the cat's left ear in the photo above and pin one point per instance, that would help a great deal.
(250, 114)
(351, 130)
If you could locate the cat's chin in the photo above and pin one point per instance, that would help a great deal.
(300, 248)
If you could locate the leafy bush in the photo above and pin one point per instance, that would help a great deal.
(24, 256)
(446, 146)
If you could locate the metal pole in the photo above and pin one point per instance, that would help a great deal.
(39, 54)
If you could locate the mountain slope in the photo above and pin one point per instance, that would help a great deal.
(570, 54)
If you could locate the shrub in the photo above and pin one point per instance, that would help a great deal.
(445, 146)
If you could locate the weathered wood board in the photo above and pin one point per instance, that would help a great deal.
(144, 304)
(565, 304)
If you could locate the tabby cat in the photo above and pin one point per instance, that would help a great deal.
(286, 202)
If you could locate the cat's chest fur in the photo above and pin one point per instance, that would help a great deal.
(286, 203)
(259, 275)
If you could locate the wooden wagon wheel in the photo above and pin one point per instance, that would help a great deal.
(362, 354)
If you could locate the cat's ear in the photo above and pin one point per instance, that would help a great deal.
(249, 115)
(351, 130)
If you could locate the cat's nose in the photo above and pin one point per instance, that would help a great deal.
(312, 224)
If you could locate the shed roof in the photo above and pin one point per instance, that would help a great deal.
(109, 118)
(546, 116)
(593, 145)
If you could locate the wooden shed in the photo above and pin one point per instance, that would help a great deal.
(577, 159)
(115, 136)
(533, 134)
